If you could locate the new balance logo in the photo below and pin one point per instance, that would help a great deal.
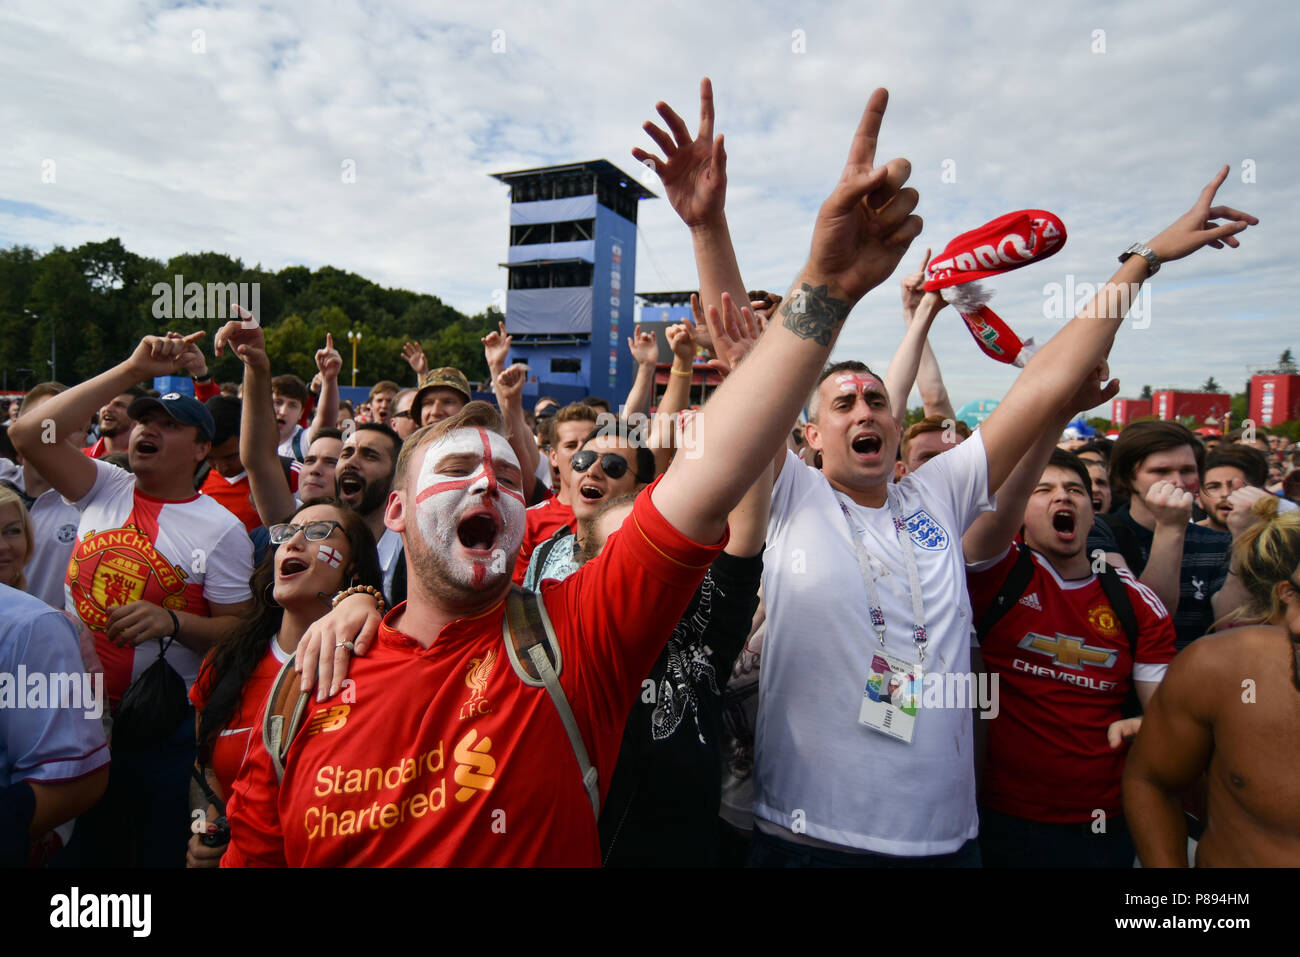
(1031, 601)
(328, 719)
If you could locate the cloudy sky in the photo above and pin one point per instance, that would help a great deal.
(189, 126)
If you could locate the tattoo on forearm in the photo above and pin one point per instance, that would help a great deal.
(811, 313)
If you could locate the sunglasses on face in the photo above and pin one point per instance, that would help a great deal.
(611, 463)
(314, 531)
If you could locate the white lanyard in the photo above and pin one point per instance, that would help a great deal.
(919, 636)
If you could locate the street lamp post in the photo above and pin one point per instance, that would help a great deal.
(51, 360)
(355, 338)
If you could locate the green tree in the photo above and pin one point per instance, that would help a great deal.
(1146, 392)
(1211, 385)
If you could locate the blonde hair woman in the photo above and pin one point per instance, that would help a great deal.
(15, 539)
(1265, 557)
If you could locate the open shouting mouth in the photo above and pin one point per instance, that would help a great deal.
(478, 530)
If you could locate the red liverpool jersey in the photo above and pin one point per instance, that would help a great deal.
(1064, 668)
(441, 756)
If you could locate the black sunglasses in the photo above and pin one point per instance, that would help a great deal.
(314, 531)
(611, 463)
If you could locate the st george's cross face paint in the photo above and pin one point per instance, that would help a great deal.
(466, 516)
(859, 383)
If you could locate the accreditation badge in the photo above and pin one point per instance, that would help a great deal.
(892, 696)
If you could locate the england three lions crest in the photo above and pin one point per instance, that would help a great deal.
(926, 532)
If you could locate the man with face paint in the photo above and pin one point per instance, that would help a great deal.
(435, 709)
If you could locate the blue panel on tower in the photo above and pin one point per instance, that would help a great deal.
(613, 299)
(553, 210)
(584, 249)
(538, 311)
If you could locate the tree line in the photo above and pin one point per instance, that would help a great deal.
(96, 302)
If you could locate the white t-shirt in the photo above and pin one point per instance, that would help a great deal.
(818, 772)
(295, 446)
(54, 533)
(134, 547)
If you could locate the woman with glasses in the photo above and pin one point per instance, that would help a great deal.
(322, 550)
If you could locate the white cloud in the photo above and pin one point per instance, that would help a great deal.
(241, 148)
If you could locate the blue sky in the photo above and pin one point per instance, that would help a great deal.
(227, 127)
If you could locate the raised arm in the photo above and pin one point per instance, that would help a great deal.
(694, 174)
(329, 362)
(903, 366)
(509, 389)
(1058, 366)
(929, 380)
(414, 355)
(42, 441)
(258, 436)
(991, 533)
(645, 350)
(862, 231)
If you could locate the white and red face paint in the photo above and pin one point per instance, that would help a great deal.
(444, 499)
(330, 556)
(859, 383)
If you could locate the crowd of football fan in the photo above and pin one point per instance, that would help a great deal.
(781, 629)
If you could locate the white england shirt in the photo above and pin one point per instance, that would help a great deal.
(818, 772)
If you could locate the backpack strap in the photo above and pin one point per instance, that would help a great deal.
(285, 708)
(1013, 586)
(1117, 594)
(535, 656)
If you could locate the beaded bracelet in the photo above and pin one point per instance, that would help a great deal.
(370, 590)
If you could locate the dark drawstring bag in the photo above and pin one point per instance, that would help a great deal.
(152, 707)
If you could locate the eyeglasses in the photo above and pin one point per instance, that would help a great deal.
(315, 531)
(403, 415)
(611, 463)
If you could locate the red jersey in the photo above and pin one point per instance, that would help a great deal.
(96, 450)
(234, 495)
(441, 756)
(1064, 669)
(245, 725)
(544, 520)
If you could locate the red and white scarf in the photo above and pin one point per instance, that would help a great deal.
(1006, 243)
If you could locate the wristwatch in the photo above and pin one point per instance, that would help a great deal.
(1153, 261)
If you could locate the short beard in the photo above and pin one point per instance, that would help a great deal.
(118, 430)
(432, 574)
(374, 496)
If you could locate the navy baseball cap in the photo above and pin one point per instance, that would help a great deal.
(185, 409)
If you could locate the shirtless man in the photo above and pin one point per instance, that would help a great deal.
(1229, 705)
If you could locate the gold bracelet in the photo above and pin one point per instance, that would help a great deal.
(370, 590)
(685, 375)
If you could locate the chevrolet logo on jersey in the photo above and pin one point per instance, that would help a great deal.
(1068, 651)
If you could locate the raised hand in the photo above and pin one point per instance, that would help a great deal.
(245, 337)
(414, 356)
(644, 347)
(192, 361)
(1197, 227)
(496, 347)
(509, 383)
(328, 360)
(693, 170)
(1243, 515)
(160, 355)
(1093, 391)
(1171, 505)
(864, 226)
(913, 288)
(681, 339)
(733, 336)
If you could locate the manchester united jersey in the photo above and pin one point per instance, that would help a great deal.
(441, 756)
(179, 555)
(1064, 669)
